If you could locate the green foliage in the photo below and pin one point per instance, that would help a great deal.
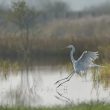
(105, 76)
(6, 66)
(83, 106)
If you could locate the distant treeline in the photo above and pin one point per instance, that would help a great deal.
(58, 9)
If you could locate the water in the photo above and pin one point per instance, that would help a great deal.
(36, 87)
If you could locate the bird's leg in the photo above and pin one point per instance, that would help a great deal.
(64, 78)
(70, 76)
(85, 76)
(79, 74)
(97, 91)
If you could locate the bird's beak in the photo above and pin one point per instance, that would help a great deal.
(66, 47)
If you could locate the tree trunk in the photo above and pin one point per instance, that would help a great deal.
(27, 49)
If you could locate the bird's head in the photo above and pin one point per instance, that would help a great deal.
(71, 47)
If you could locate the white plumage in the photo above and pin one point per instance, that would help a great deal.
(86, 61)
(82, 64)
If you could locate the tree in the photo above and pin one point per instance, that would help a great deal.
(24, 18)
(56, 9)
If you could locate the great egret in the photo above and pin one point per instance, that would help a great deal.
(82, 64)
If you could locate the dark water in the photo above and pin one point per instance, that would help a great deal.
(34, 86)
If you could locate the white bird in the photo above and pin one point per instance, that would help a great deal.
(82, 64)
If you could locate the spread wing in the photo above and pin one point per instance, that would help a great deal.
(87, 58)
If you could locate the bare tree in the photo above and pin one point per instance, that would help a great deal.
(24, 18)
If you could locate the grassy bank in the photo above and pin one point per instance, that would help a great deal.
(91, 106)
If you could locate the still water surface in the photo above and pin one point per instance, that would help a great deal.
(36, 88)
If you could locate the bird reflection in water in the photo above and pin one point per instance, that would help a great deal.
(62, 95)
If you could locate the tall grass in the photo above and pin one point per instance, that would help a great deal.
(105, 76)
(50, 39)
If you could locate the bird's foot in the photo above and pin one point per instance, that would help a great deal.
(56, 82)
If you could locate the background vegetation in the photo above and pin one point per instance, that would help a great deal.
(25, 30)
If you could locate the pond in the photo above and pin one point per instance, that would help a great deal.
(36, 87)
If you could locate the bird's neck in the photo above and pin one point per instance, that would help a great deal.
(71, 55)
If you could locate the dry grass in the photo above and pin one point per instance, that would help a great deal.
(49, 40)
